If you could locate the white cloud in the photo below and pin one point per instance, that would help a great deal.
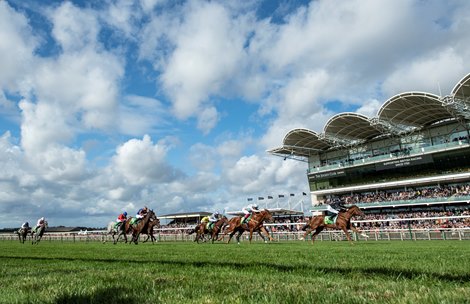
(17, 44)
(74, 28)
(435, 73)
(139, 115)
(141, 162)
(208, 46)
(207, 119)
(370, 108)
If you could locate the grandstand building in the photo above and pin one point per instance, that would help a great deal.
(417, 143)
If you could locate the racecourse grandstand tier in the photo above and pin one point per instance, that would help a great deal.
(416, 141)
(183, 219)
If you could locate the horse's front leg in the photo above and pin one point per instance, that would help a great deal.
(348, 236)
(267, 233)
(359, 231)
(146, 239)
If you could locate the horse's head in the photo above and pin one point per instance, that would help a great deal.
(354, 210)
(151, 216)
(266, 215)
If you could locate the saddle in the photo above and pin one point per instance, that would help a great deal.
(134, 221)
(330, 220)
(209, 226)
(243, 221)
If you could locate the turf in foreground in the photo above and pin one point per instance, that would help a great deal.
(294, 272)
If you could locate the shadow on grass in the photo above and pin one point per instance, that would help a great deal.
(107, 295)
(342, 270)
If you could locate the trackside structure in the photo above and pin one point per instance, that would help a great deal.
(413, 155)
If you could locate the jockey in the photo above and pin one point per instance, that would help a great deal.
(336, 206)
(121, 218)
(41, 222)
(214, 217)
(142, 212)
(248, 210)
(25, 226)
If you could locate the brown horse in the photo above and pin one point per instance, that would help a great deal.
(149, 231)
(256, 223)
(343, 222)
(142, 226)
(201, 230)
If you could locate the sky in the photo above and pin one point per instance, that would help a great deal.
(107, 106)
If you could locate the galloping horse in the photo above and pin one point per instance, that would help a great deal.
(36, 234)
(120, 230)
(149, 231)
(343, 222)
(22, 234)
(142, 226)
(201, 229)
(255, 224)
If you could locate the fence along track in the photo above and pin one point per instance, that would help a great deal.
(166, 235)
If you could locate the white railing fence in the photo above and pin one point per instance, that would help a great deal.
(181, 235)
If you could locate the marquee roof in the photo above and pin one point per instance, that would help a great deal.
(404, 112)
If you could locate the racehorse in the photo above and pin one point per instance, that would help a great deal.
(201, 230)
(120, 230)
(343, 222)
(256, 223)
(149, 230)
(22, 234)
(36, 234)
(142, 226)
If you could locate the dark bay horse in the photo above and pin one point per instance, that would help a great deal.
(343, 222)
(255, 224)
(149, 230)
(23, 233)
(120, 230)
(36, 234)
(201, 230)
(142, 226)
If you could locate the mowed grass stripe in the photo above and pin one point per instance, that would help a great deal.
(291, 272)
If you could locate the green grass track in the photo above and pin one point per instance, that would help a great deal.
(289, 272)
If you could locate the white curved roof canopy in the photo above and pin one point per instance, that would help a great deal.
(403, 112)
(461, 91)
(350, 126)
(301, 142)
(413, 109)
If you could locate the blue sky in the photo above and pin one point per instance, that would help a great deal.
(108, 106)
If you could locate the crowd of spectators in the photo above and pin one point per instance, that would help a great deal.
(447, 219)
(444, 191)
